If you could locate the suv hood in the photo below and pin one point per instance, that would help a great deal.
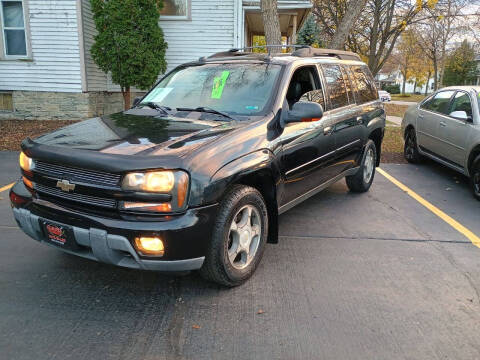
(134, 139)
(137, 132)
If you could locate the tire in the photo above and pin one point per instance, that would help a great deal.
(410, 149)
(362, 180)
(475, 178)
(227, 261)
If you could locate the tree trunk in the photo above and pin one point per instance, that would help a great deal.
(126, 97)
(354, 8)
(271, 24)
(435, 76)
(426, 86)
(403, 84)
(415, 86)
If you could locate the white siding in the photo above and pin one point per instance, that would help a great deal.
(211, 29)
(96, 78)
(55, 51)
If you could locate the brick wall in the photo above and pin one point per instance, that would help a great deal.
(42, 105)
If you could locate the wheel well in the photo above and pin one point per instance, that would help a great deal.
(471, 158)
(263, 181)
(377, 137)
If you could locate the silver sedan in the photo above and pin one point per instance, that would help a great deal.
(446, 128)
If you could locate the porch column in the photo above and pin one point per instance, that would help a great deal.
(294, 29)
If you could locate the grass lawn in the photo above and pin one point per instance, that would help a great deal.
(408, 97)
(395, 110)
(392, 148)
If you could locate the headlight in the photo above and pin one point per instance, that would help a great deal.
(173, 183)
(26, 163)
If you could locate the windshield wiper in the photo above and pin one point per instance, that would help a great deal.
(209, 110)
(155, 106)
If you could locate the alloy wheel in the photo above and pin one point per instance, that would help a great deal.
(368, 165)
(244, 237)
(410, 147)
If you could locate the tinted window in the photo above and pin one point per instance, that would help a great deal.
(461, 102)
(335, 85)
(439, 103)
(348, 78)
(364, 83)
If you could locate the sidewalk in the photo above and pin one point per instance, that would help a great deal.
(397, 120)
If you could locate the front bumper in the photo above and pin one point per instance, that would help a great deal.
(109, 240)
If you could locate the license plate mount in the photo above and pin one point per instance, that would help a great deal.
(59, 235)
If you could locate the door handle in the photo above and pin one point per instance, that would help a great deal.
(443, 124)
(327, 130)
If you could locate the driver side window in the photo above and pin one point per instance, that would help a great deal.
(305, 86)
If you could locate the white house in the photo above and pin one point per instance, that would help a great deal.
(47, 72)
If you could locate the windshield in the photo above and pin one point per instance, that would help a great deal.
(243, 89)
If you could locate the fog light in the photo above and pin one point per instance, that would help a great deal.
(152, 246)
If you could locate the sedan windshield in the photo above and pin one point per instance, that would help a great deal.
(243, 89)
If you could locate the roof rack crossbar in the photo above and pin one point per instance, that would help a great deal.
(312, 52)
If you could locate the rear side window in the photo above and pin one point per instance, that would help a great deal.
(439, 103)
(348, 78)
(364, 83)
(335, 85)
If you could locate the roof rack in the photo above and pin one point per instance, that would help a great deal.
(243, 51)
(312, 52)
(301, 51)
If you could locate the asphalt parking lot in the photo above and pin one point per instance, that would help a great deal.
(370, 276)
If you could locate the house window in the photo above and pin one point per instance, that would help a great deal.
(175, 9)
(6, 101)
(13, 28)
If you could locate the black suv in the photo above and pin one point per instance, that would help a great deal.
(195, 175)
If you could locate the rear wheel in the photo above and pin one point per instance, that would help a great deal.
(362, 180)
(410, 150)
(239, 237)
(475, 178)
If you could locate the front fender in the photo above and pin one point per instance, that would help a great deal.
(237, 169)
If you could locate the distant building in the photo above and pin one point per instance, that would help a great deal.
(395, 77)
(47, 72)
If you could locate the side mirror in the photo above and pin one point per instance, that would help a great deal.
(461, 115)
(136, 101)
(304, 111)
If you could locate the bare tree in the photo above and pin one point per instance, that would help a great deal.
(271, 24)
(436, 31)
(375, 29)
(343, 15)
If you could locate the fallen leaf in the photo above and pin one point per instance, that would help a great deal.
(196, 327)
(448, 189)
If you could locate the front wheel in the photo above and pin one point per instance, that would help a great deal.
(475, 178)
(362, 180)
(239, 237)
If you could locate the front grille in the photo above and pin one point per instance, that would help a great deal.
(76, 174)
(85, 199)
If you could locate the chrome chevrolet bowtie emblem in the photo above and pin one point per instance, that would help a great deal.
(65, 185)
